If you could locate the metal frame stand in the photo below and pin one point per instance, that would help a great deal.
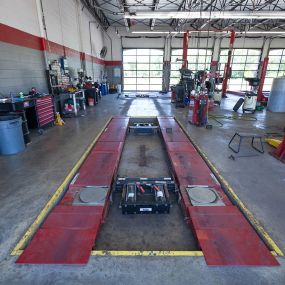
(241, 137)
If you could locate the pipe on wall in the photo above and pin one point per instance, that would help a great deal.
(91, 48)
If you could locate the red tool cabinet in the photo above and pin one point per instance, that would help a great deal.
(45, 111)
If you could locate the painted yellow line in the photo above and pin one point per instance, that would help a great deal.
(266, 237)
(145, 253)
(53, 200)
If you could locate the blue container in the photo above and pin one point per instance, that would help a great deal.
(103, 89)
(11, 135)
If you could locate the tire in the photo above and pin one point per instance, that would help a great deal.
(238, 104)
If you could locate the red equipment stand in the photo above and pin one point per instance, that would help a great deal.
(198, 114)
(279, 153)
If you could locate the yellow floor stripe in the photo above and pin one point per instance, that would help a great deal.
(53, 200)
(266, 237)
(144, 253)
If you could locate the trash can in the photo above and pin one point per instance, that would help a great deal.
(11, 135)
(119, 88)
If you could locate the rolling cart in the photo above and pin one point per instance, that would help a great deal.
(44, 112)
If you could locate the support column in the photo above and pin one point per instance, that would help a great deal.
(166, 65)
(216, 53)
(262, 78)
(228, 65)
(185, 49)
(263, 68)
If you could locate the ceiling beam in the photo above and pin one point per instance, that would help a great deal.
(93, 7)
(125, 9)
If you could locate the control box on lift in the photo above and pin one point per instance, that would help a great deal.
(145, 195)
(145, 198)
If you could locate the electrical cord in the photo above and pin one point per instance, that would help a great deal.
(230, 117)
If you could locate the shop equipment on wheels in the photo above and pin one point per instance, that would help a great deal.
(198, 114)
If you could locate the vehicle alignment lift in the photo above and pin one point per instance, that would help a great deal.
(68, 233)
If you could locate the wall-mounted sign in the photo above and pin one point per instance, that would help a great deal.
(117, 72)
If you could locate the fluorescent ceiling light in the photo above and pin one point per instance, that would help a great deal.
(173, 32)
(190, 32)
(155, 32)
(263, 32)
(206, 15)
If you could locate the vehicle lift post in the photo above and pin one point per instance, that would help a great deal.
(228, 65)
(185, 49)
(262, 79)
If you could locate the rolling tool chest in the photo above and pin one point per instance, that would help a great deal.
(44, 111)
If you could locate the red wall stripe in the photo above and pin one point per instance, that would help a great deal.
(17, 37)
(113, 62)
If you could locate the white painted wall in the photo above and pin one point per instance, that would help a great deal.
(143, 42)
(20, 14)
(116, 45)
(96, 34)
(64, 20)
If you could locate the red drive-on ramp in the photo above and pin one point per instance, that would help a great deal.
(68, 234)
(224, 234)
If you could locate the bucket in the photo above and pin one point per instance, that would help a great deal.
(11, 135)
(91, 101)
(119, 88)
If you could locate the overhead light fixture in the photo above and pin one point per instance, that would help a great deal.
(204, 31)
(173, 32)
(263, 32)
(206, 15)
(155, 32)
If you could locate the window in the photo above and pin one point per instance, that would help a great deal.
(142, 69)
(244, 64)
(275, 68)
(198, 59)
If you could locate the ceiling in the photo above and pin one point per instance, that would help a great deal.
(111, 13)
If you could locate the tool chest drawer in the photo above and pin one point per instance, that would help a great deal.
(45, 110)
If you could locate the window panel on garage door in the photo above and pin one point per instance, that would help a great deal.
(143, 69)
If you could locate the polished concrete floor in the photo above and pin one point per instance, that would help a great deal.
(28, 180)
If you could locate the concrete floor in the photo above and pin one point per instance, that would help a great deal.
(29, 179)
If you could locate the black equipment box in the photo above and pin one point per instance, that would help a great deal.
(145, 198)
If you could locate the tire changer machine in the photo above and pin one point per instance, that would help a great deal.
(184, 87)
(198, 113)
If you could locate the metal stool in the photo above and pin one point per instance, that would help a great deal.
(247, 135)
